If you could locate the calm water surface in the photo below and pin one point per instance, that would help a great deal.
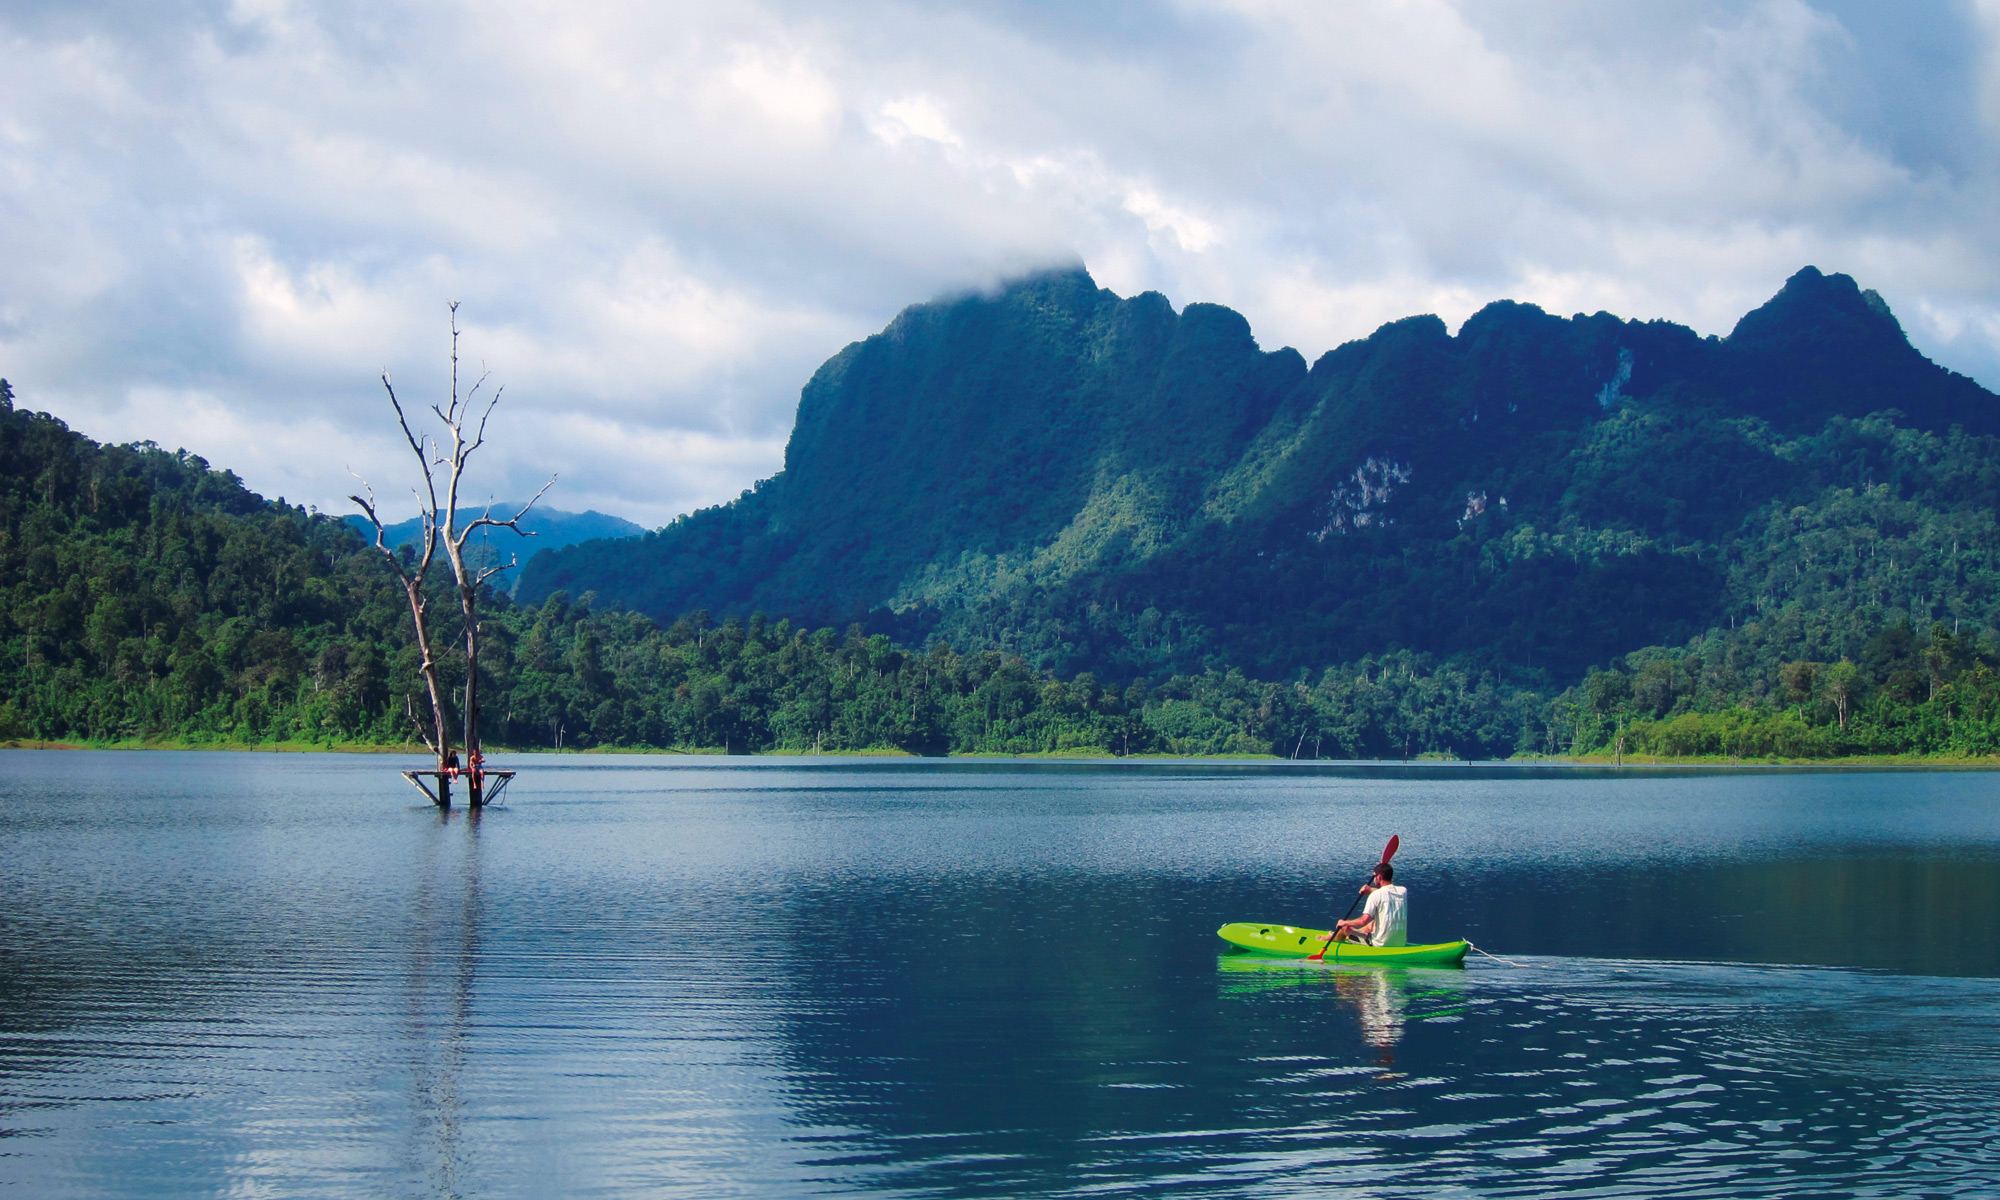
(281, 976)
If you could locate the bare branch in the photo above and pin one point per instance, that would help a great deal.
(479, 438)
(452, 306)
(410, 706)
(513, 522)
(484, 375)
(416, 443)
(381, 532)
(368, 505)
(486, 573)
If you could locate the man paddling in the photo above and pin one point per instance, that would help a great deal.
(1383, 920)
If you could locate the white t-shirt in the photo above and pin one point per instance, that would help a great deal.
(1387, 904)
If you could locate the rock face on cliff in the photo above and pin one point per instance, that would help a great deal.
(1106, 483)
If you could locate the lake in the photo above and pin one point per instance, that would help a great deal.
(285, 975)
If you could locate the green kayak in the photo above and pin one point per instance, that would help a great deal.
(1286, 941)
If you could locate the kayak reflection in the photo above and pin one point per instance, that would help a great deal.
(1384, 1000)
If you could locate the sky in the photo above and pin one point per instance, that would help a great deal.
(221, 222)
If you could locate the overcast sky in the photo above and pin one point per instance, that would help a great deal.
(220, 220)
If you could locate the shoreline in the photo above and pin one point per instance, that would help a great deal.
(1081, 754)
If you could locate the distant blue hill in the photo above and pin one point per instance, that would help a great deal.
(552, 528)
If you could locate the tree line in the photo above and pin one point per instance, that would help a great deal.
(1896, 691)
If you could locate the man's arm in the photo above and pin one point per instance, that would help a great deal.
(1364, 924)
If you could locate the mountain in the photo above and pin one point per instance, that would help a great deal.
(146, 597)
(549, 527)
(1104, 483)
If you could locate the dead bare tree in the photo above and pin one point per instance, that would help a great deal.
(441, 460)
(413, 572)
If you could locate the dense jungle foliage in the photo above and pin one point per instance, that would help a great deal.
(1901, 691)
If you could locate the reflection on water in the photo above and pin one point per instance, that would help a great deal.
(443, 963)
(1382, 999)
(244, 974)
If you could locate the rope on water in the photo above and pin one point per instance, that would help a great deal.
(1510, 962)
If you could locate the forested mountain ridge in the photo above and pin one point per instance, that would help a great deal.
(1105, 484)
(146, 597)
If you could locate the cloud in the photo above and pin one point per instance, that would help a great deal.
(221, 221)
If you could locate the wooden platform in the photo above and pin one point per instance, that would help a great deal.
(492, 784)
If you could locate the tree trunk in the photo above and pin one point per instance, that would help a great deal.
(440, 724)
(475, 781)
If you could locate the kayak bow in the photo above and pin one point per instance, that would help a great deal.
(1290, 941)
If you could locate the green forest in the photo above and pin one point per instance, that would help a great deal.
(152, 599)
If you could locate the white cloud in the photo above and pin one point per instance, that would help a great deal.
(913, 117)
(788, 91)
(1190, 232)
(660, 219)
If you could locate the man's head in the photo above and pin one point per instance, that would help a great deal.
(1384, 873)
